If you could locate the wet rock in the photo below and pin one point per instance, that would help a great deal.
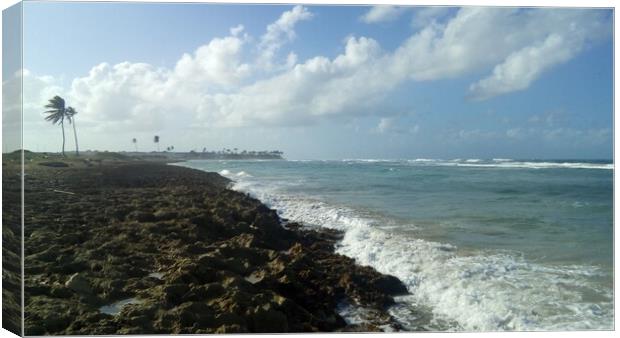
(165, 215)
(390, 285)
(79, 284)
(173, 293)
(142, 216)
(60, 292)
(233, 328)
(266, 319)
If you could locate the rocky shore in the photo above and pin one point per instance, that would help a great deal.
(135, 248)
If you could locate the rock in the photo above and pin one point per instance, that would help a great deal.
(54, 164)
(213, 290)
(390, 285)
(173, 293)
(265, 319)
(60, 292)
(79, 284)
(233, 328)
(165, 215)
(142, 216)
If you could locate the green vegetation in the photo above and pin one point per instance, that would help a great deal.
(57, 113)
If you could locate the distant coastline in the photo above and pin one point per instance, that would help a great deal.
(168, 156)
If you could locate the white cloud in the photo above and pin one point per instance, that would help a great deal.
(37, 90)
(235, 31)
(392, 125)
(279, 33)
(522, 67)
(385, 124)
(424, 16)
(382, 13)
(478, 38)
(218, 85)
(560, 36)
(317, 88)
(217, 62)
(514, 133)
(577, 137)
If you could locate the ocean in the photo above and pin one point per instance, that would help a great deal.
(482, 245)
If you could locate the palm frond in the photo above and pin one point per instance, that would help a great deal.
(57, 111)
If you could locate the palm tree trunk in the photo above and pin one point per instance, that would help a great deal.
(62, 125)
(77, 149)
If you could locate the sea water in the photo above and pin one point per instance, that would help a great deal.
(480, 244)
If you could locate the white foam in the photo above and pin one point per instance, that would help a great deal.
(228, 173)
(484, 291)
(243, 174)
(505, 163)
(116, 307)
(542, 165)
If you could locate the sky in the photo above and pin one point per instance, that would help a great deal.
(322, 82)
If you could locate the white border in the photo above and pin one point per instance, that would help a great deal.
(508, 3)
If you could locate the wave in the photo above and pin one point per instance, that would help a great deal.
(493, 163)
(511, 164)
(541, 165)
(229, 174)
(476, 291)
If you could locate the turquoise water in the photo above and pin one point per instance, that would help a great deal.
(481, 244)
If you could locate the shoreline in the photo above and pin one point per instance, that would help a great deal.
(187, 254)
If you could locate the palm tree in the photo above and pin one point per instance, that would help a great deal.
(70, 112)
(156, 140)
(56, 114)
(135, 143)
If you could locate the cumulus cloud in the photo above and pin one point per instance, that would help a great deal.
(562, 35)
(522, 67)
(220, 85)
(392, 125)
(37, 90)
(478, 38)
(217, 62)
(317, 88)
(234, 31)
(280, 32)
(385, 124)
(382, 13)
(424, 16)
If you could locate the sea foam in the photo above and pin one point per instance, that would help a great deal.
(475, 291)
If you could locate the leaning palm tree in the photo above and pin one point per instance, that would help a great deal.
(70, 112)
(156, 140)
(56, 114)
(135, 143)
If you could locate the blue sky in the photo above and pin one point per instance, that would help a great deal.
(324, 81)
